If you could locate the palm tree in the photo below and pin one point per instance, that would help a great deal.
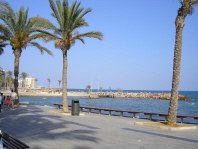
(65, 35)
(59, 82)
(48, 81)
(88, 87)
(3, 5)
(20, 32)
(24, 75)
(36, 80)
(101, 89)
(9, 79)
(185, 9)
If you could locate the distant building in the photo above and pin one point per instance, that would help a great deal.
(21, 83)
(30, 82)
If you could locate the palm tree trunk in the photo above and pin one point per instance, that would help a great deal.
(64, 82)
(172, 112)
(17, 54)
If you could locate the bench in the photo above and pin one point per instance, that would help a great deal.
(165, 115)
(89, 108)
(150, 114)
(96, 108)
(104, 109)
(121, 111)
(179, 116)
(185, 116)
(110, 110)
(134, 112)
(11, 142)
(195, 117)
(60, 105)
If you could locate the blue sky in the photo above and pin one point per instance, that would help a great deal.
(135, 54)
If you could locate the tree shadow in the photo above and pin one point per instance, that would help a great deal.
(28, 124)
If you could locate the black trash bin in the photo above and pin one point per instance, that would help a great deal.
(75, 107)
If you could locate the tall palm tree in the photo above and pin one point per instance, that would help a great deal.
(100, 89)
(69, 18)
(88, 87)
(3, 5)
(49, 84)
(59, 82)
(36, 80)
(185, 9)
(10, 79)
(20, 32)
(24, 75)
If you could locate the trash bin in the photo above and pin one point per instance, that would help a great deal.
(75, 108)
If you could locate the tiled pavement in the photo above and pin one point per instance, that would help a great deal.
(41, 129)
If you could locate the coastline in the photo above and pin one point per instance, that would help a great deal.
(41, 94)
(105, 94)
(36, 93)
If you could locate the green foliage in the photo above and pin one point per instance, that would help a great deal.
(19, 31)
(69, 19)
(23, 75)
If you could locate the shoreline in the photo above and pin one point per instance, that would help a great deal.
(93, 95)
(33, 93)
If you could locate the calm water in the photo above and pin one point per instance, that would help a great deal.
(189, 107)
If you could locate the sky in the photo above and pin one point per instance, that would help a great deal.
(136, 52)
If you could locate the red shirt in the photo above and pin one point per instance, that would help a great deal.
(8, 100)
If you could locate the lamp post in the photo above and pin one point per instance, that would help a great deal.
(98, 83)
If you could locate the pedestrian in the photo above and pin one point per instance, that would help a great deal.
(8, 102)
(2, 101)
(13, 98)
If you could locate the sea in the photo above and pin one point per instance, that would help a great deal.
(187, 107)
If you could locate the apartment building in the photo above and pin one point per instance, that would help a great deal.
(30, 82)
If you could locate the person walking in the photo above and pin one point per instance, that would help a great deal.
(2, 101)
(13, 96)
(8, 102)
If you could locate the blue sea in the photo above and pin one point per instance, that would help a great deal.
(188, 107)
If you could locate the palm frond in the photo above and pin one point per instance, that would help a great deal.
(5, 31)
(9, 18)
(180, 1)
(2, 45)
(3, 6)
(55, 11)
(81, 39)
(64, 14)
(41, 48)
(42, 23)
(22, 17)
(77, 17)
(45, 36)
(79, 23)
(69, 19)
(1, 51)
(92, 34)
(193, 2)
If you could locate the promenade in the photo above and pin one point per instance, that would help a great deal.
(40, 129)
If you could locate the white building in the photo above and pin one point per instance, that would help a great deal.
(21, 82)
(30, 82)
